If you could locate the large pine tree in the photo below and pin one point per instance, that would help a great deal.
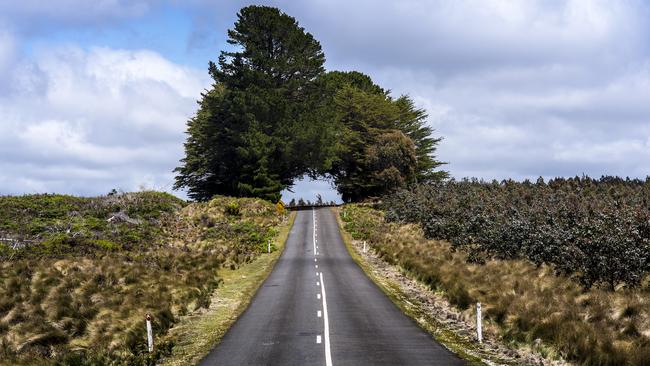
(273, 115)
(247, 136)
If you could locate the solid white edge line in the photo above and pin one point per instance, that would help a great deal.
(328, 352)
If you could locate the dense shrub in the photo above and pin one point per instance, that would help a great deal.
(595, 230)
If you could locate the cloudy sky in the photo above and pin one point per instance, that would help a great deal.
(94, 95)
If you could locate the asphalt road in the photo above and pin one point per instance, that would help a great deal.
(317, 307)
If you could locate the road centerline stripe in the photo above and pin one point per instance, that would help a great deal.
(313, 215)
(326, 325)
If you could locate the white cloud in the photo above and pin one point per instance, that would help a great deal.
(104, 119)
(7, 53)
(454, 36)
(516, 88)
(126, 89)
(557, 128)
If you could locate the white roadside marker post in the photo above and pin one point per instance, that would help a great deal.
(479, 327)
(269, 246)
(364, 246)
(149, 334)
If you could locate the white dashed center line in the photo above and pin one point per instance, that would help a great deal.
(323, 313)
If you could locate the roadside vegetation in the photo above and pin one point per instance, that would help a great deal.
(197, 333)
(596, 231)
(524, 303)
(78, 275)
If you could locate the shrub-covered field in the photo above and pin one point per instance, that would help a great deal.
(523, 303)
(78, 275)
(597, 231)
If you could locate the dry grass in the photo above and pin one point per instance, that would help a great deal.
(523, 303)
(201, 331)
(87, 306)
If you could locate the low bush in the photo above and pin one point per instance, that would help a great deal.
(523, 302)
(597, 231)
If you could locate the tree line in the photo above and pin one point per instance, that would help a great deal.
(274, 114)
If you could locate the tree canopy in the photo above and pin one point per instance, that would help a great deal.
(273, 115)
(384, 144)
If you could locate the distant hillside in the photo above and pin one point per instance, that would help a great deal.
(78, 275)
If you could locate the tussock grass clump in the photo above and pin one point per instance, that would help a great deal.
(523, 303)
(80, 274)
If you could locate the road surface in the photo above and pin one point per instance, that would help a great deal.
(317, 307)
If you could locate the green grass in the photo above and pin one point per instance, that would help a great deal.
(54, 226)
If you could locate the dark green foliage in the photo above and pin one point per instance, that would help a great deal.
(274, 115)
(251, 133)
(596, 230)
(413, 123)
(382, 144)
(331, 82)
(360, 171)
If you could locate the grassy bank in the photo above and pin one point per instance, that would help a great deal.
(198, 333)
(524, 304)
(78, 275)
